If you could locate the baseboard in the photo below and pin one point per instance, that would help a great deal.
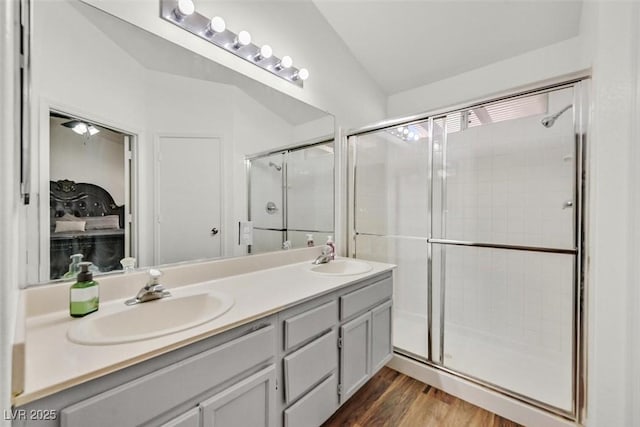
(492, 401)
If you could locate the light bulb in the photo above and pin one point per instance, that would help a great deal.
(265, 53)
(405, 131)
(93, 130)
(80, 128)
(185, 8)
(303, 74)
(217, 25)
(416, 137)
(285, 62)
(410, 135)
(242, 39)
(400, 129)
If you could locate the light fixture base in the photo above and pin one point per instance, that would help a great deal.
(198, 25)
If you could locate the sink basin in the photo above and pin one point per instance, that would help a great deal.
(150, 319)
(342, 267)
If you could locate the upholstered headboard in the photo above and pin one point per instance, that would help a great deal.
(81, 199)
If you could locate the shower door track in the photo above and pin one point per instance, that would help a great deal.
(568, 415)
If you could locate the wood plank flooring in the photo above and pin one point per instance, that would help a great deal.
(396, 400)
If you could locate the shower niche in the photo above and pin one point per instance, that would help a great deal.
(480, 208)
(291, 196)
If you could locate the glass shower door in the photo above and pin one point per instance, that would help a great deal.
(391, 221)
(309, 194)
(504, 245)
(266, 202)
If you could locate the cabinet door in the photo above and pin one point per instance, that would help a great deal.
(190, 418)
(250, 402)
(381, 343)
(355, 354)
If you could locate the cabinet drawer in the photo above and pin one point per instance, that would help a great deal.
(364, 298)
(170, 386)
(316, 407)
(304, 326)
(307, 366)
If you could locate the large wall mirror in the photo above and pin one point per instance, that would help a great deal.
(146, 150)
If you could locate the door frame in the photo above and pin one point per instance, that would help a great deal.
(38, 223)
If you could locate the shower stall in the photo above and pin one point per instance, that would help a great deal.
(291, 196)
(481, 209)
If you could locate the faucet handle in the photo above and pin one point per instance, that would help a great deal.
(154, 276)
(326, 250)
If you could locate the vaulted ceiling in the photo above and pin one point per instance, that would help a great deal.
(405, 44)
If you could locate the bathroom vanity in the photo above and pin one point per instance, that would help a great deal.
(296, 344)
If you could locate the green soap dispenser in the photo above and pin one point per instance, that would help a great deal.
(83, 295)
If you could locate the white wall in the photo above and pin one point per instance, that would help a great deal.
(9, 196)
(99, 160)
(611, 38)
(338, 83)
(523, 70)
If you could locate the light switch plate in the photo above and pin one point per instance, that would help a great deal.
(245, 233)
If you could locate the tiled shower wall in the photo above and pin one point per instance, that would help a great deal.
(508, 183)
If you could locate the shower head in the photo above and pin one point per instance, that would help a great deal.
(278, 167)
(550, 120)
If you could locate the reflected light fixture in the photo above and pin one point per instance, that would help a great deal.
(81, 128)
(407, 133)
(214, 30)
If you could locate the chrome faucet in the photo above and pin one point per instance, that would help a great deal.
(325, 257)
(151, 291)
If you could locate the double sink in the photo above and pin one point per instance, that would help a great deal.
(170, 315)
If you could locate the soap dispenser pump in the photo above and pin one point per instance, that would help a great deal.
(74, 267)
(332, 245)
(84, 296)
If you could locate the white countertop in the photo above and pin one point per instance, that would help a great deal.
(53, 363)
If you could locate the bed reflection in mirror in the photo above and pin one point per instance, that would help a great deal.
(89, 208)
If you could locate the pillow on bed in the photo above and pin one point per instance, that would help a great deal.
(66, 226)
(107, 222)
(68, 217)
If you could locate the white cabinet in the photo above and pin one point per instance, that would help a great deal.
(250, 402)
(381, 341)
(355, 355)
(191, 418)
(142, 400)
(365, 340)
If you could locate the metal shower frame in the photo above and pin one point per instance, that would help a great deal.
(580, 84)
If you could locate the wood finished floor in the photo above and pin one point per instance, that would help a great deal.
(396, 400)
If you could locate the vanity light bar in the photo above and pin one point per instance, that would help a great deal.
(183, 14)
